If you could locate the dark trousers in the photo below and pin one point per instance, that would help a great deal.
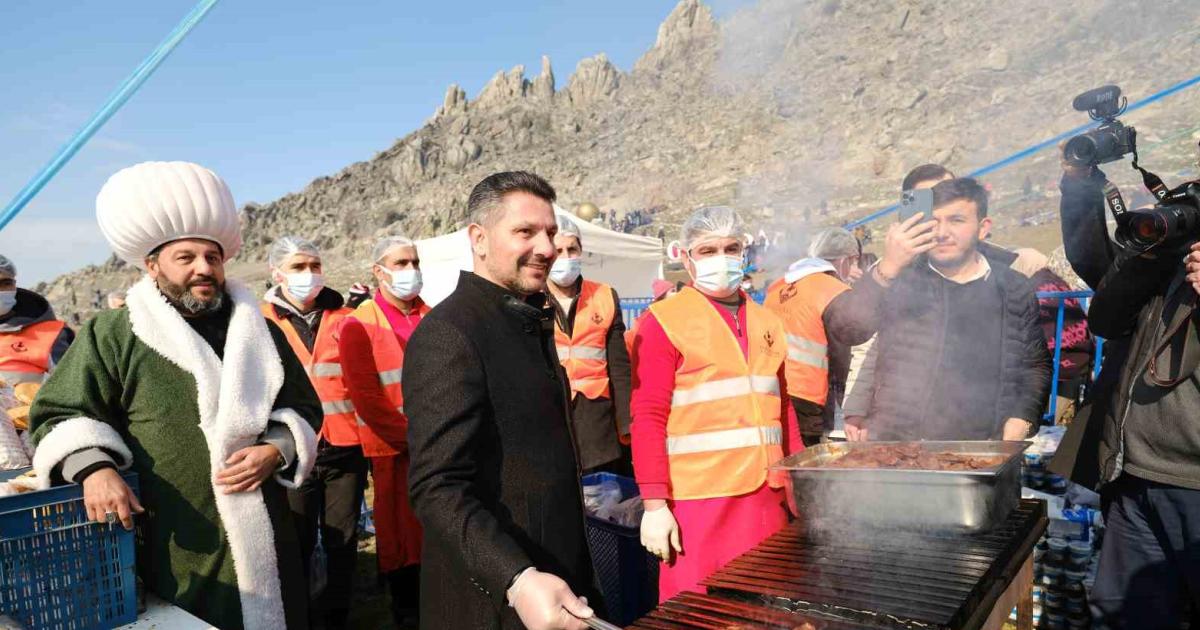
(1149, 575)
(334, 493)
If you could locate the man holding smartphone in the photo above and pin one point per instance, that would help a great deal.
(961, 354)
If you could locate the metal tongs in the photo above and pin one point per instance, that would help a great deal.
(595, 622)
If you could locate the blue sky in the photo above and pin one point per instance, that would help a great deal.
(268, 93)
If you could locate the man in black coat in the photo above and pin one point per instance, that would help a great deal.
(494, 476)
(961, 351)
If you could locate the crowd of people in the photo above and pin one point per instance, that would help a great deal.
(255, 425)
(631, 220)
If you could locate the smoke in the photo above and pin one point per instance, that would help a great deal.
(851, 95)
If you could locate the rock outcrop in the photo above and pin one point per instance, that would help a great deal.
(798, 113)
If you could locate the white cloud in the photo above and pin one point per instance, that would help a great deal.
(43, 248)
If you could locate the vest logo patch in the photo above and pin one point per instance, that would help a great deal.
(769, 338)
(596, 319)
(19, 346)
(788, 292)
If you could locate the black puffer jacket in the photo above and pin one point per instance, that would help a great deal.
(910, 317)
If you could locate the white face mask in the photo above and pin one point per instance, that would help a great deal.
(304, 285)
(565, 271)
(8, 299)
(718, 276)
(405, 284)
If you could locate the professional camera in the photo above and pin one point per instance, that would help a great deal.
(1173, 221)
(1109, 142)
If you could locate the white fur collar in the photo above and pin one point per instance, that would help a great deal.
(235, 397)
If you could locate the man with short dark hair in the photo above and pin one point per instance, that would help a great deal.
(961, 354)
(494, 477)
(925, 176)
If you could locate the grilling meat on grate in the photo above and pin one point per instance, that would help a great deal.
(805, 625)
(912, 457)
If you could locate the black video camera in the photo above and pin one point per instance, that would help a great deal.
(1109, 142)
(1173, 221)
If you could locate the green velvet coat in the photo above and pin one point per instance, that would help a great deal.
(141, 384)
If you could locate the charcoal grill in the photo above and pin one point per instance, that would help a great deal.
(930, 582)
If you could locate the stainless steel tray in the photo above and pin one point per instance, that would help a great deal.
(834, 500)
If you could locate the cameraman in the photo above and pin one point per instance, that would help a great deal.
(1090, 252)
(1149, 446)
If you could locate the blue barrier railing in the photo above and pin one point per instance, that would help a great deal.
(631, 308)
(1062, 297)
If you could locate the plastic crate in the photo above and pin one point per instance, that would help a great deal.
(628, 574)
(58, 571)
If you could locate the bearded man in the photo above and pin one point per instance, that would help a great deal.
(192, 389)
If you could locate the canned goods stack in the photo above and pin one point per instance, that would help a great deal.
(1061, 570)
(1064, 560)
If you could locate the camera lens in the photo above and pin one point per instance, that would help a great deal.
(1080, 151)
(1147, 228)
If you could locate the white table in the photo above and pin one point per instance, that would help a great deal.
(160, 615)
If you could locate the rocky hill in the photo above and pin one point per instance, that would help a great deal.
(799, 113)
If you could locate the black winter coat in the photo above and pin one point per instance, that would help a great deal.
(911, 316)
(1091, 253)
(494, 477)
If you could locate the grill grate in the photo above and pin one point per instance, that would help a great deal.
(693, 611)
(918, 582)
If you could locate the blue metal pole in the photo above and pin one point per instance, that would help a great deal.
(1045, 144)
(1058, 331)
(114, 103)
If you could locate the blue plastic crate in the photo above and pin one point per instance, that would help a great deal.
(628, 574)
(58, 571)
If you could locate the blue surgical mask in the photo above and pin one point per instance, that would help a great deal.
(8, 299)
(304, 285)
(718, 276)
(405, 283)
(566, 271)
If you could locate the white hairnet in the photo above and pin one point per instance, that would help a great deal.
(708, 223)
(7, 268)
(387, 243)
(567, 227)
(285, 246)
(833, 243)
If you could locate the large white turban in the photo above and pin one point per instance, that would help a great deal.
(153, 203)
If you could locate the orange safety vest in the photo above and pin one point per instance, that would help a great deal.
(724, 428)
(25, 354)
(325, 371)
(584, 355)
(389, 362)
(801, 305)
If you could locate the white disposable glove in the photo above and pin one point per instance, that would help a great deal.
(660, 533)
(544, 601)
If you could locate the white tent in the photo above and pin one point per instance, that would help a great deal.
(627, 262)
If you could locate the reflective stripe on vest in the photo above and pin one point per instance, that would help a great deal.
(584, 354)
(391, 377)
(331, 407)
(724, 428)
(723, 440)
(595, 354)
(801, 305)
(326, 369)
(727, 388)
(809, 352)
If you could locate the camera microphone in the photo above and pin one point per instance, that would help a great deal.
(1102, 98)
